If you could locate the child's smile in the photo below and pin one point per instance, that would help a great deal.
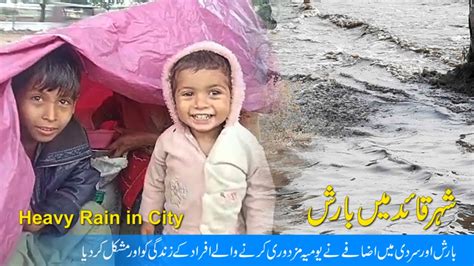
(202, 117)
(47, 131)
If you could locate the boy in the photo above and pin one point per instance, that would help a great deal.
(46, 95)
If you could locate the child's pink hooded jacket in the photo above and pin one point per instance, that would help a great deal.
(229, 192)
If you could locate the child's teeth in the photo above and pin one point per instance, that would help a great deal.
(202, 117)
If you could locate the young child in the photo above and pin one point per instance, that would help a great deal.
(207, 167)
(57, 145)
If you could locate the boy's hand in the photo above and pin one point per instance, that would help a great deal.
(147, 229)
(33, 228)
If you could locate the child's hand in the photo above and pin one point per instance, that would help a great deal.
(131, 140)
(147, 229)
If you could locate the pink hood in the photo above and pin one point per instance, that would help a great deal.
(238, 84)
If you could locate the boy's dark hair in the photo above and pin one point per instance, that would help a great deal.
(200, 60)
(60, 69)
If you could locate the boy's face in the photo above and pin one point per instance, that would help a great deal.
(43, 114)
(203, 99)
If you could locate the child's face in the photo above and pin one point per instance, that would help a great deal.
(43, 114)
(203, 99)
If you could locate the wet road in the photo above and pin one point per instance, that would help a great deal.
(362, 118)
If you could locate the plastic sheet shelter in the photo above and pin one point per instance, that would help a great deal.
(124, 52)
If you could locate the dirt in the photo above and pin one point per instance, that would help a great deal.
(9, 37)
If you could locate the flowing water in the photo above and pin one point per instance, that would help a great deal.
(359, 77)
